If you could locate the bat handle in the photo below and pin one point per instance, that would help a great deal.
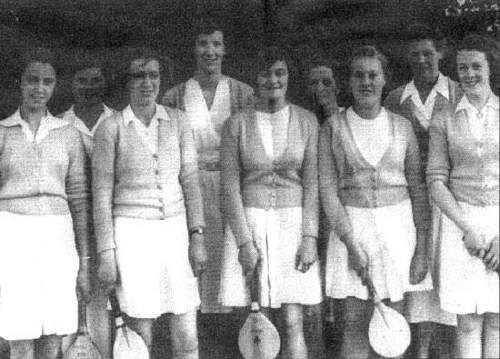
(82, 317)
(372, 290)
(255, 288)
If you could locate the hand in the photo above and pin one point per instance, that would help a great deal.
(107, 271)
(418, 268)
(358, 258)
(248, 256)
(491, 258)
(475, 243)
(307, 254)
(83, 282)
(197, 254)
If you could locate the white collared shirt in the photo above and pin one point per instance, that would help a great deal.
(47, 123)
(148, 134)
(82, 128)
(479, 119)
(423, 111)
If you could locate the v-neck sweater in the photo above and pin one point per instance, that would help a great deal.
(347, 179)
(251, 178)
(128, 180)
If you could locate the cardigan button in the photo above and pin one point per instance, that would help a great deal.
(159, 186)
(157, 172)
(155, 156)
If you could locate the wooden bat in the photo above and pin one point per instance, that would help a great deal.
(258, 338)
(127, 344)
(389, 332)
(82, 347)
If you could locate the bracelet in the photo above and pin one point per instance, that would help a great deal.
(85, 258)
(194, 230)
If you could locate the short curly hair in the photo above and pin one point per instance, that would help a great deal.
(420, 32)
(370, 52)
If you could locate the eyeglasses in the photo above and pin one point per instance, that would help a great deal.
(142, 75)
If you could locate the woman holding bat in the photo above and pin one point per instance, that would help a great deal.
(148, 212)
(270, 203)
(373, 193)
(463, 175)
(44, 210)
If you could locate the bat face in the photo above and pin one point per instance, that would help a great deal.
(82, 348)
(129, 345)
(258, 338)
(388, 332)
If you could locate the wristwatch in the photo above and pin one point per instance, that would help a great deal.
(196, 230)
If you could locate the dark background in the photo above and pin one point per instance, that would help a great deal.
(330, 28)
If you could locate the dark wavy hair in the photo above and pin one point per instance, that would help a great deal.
(420, 32)
(135, 53)
(37, 54)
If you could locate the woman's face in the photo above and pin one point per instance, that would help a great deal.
(209, 51)
(424, 60)
(37, 85)
(144, 81)
(322, 84)
(273, 82)
(88, 85)
(367, 81)
(473, 72)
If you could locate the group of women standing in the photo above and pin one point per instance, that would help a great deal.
(220, 181)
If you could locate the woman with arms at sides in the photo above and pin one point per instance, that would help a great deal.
(373, 193)
(209, 98)
(463, 174)
(428, 94)
(270, 202)
(86, 114)
(148, 214)
(44, 212)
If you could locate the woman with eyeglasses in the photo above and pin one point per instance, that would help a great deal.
(148, 212)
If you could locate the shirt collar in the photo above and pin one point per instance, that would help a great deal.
(48, 121)
(440, 87)
(129, 116)
(80, 125)
(464, 103)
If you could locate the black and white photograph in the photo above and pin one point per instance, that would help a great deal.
(249, 179)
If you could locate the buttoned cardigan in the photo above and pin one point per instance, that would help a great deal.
(347, 179)
(128, 180)
(45, 178)
(250, 178)
(470, 168)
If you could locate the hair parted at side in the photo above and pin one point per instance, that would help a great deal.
(370, 52)
(206, 25)
(43, 55)
(269, 55)
(481, 43)
(135, 53)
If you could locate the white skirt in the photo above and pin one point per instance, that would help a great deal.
(465, 284)
(278, 234)
(155, 276)
(38, 269)
(425, 306)
(388, 235)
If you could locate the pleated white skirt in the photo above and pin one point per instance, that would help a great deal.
(388, 235)
(278, 234)
(155, 276)
(38, 269)
(465, 284)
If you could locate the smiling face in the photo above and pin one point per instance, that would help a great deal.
(144, 82)
(273, 82)
(367, 81)
(424, 58)
(37, 85)
(473, 72)
(88, 86)
(209, 51)
(322, 85)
